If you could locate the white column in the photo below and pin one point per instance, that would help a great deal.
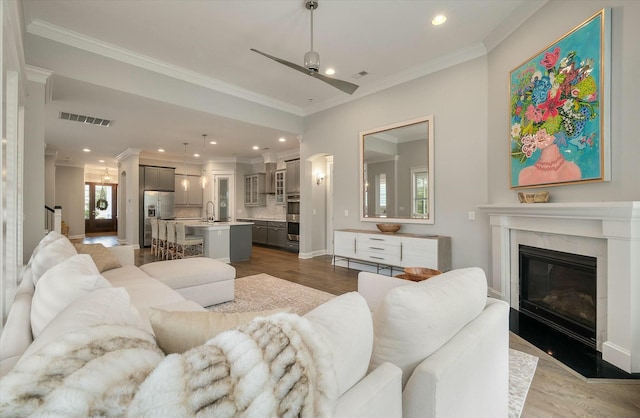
(622, 345)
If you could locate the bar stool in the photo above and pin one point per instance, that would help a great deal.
(188, 245)
(170, 251)
(162, 238)
(154, 236)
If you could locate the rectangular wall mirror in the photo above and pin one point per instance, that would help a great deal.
(396, 172)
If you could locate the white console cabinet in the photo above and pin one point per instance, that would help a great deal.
(390, 252)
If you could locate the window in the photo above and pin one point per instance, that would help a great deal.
(381, 187)
(420, 192)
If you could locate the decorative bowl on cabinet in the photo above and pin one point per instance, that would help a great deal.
(389, 228)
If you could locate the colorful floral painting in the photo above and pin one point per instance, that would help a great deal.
(556, 104)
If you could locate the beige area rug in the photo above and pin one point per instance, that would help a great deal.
(262, 292)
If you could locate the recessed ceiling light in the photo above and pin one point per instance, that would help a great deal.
(196, 155)
(439, 20)
(282, 140)
(100, 161)
(330, 71)
(256, 147)
(213, 143)
(160, 149)
(86, 150)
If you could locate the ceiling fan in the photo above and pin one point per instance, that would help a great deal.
(312, 61)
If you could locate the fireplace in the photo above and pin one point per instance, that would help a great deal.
(559, 289)
(610, 231)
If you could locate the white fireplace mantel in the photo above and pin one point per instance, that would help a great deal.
(616, 222)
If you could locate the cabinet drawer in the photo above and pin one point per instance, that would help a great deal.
(379, 248)
(379, 257)
(366, 240)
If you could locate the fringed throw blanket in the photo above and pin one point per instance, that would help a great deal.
(271, 367)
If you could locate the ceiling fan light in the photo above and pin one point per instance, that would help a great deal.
(312, 61)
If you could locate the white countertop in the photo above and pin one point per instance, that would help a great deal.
(215, 225)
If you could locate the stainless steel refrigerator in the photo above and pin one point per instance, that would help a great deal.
(156, 205)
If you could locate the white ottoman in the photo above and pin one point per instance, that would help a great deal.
(202, 280)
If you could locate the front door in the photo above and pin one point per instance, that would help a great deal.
(100, 207)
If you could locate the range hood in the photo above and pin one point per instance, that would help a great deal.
(270, 178)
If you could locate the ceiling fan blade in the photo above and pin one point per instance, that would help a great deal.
(344, 86)
(283, 62)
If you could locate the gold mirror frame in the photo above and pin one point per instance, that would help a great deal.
(400, 151)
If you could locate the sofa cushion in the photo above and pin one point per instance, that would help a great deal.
(189, 272)
(50, 255)
(145, 291)
(102, 257)
(46, 240)
(345, 325)
(110, 305)
(61, 285)
(414, 321)
(179, 331)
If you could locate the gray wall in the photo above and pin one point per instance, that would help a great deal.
(34, 178)
(70, 195)
(457, 97)
(470, 107)
(558, 17)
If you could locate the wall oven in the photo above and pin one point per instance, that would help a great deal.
(293, 217)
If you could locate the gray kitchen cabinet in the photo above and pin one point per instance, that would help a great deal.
(190, 197)
(254, 190)
(280, 187)
(259, 232)
(158, 178)
(293, 177)
(277, 234)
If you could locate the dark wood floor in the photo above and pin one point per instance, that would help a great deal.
(556, 391)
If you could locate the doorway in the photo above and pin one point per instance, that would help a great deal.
(223, 195)
(100, 207)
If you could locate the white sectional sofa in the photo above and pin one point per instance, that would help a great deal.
(121, 296)
(449, 339)
(438, 348)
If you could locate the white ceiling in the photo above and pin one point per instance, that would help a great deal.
(167, 71)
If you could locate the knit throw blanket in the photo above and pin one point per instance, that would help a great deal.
(272, 367)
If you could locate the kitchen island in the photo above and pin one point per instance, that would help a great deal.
(223, 241)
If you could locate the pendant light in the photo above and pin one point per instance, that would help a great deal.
(203, 178)
(185, 180)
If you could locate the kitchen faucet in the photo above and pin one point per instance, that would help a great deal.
(210, 214)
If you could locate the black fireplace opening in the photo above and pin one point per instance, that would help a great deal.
(559, 290)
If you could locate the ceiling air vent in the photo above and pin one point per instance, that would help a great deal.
(85, 119)
(360, 74)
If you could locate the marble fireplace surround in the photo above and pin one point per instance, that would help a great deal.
(609, 231)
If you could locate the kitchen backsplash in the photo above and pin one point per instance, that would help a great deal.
(188, 212)
(271, 211)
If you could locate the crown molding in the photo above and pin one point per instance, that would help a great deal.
(41, 76)
(70, 38)
(129, 152)
(449, 60)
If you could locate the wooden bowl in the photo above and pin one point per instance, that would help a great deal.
(389, 228)
(418, 274)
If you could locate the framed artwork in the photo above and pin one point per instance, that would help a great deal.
(559, 107)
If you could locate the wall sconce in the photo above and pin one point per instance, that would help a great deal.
(319, 178)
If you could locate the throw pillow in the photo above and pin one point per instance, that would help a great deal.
(345, 324)
(50, 255)
(110, 305)
(414, 321)
(101, 255)
(60, 286)
(179, 331)
(48, 239)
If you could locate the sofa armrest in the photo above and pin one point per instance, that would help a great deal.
(469, 375)
(124, 254)
(373, 287)
(377, 395)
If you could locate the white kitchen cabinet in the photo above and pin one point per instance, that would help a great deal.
(391, 252)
